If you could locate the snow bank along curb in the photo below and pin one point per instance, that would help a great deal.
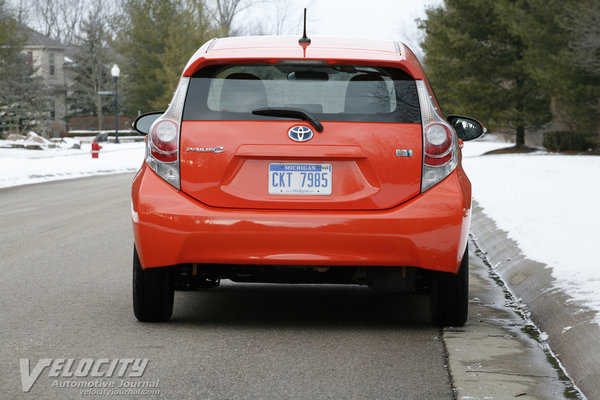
(572, 335)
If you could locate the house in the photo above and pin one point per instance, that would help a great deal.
(47, 57)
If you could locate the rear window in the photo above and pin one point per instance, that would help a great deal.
(329, 92)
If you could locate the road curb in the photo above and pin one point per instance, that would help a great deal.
(572, 335)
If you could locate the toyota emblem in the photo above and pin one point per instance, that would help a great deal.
(300, 133)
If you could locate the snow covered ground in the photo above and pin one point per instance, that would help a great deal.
(549, 204)
(21, 166)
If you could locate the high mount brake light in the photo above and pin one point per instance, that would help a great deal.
(162, 154)
(303, 62)
(440, 145)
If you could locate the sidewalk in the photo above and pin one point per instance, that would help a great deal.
(572, 335)
(498, 354)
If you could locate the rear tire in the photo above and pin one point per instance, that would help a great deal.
(449, 296)
(152, 292)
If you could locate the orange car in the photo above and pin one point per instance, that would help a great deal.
(287, 161)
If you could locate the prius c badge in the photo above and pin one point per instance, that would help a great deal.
(300, 133)
(219, 149)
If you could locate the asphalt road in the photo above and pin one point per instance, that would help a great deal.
(67, 328)
(65, 293)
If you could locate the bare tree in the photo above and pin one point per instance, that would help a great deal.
(276, 16)
(58, 19)
(90, 69)
(282, 11)
(46, 16)
(70, 13)
(226, 10)
(17, 9)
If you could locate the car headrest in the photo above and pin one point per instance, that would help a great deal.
(243, 92)
(367, 94)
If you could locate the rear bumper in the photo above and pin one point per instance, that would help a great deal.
(430, 231)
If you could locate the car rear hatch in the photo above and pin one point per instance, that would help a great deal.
(251, 137)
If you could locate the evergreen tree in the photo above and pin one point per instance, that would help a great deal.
(24, 100)
(91, 71)
(475, 63)
(558, 41)
(10, 63)
(182, 41)
(583, 25)
(156, 39)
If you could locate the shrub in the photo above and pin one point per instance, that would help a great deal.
(77, 133)
(569, 141)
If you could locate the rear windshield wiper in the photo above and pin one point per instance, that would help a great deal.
(292, 112)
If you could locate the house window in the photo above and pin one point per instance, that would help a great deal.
(30, 62)
(51, 55)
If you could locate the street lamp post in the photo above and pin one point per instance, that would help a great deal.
(115, 71)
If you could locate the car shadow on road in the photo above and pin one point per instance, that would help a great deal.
(315, 306)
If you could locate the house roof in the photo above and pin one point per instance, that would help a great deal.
(36, 39)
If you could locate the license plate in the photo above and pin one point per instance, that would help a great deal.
(287, 178)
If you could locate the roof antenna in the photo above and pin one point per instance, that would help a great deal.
(304, 39)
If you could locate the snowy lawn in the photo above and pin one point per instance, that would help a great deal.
(550, 205)
(20, 166)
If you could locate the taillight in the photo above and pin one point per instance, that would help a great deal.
(164, 144)
(440, 144)
(162, 154)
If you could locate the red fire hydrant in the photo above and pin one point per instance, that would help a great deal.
(95, 149)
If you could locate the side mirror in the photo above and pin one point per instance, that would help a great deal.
(466, 128)
(143, 123)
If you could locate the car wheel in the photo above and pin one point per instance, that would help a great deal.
(152, 292)
(449, 295)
